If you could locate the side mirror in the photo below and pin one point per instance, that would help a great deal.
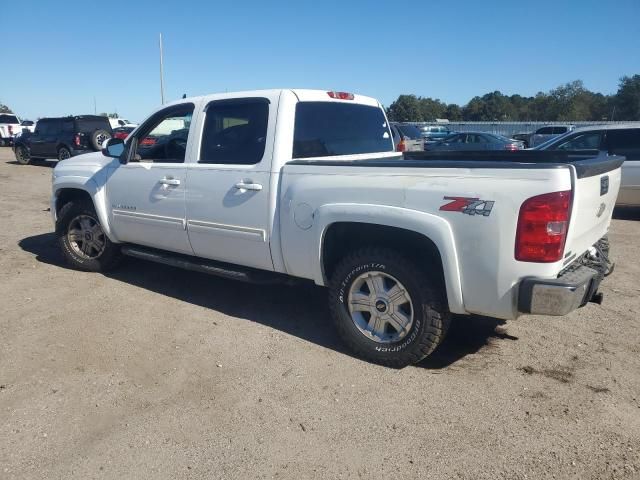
(114, 148)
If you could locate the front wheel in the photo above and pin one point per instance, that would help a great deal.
(84, 244)
(386, 309)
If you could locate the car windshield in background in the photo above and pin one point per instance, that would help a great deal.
(548, 143)
(324, 129)
(410, 131)
(4, 118)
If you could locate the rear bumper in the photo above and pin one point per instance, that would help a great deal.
(559, 296)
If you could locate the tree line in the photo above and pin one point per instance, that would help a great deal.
(568, 102)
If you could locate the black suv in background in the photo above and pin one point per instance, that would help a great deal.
(62, 138)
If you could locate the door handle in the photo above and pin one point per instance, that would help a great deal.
(256, 187)
(169, 181)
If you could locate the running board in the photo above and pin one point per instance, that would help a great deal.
(202, 265)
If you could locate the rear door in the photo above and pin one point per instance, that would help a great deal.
(227, 201)
(51, 138)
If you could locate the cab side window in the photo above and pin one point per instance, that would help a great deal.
(585, 141)
(163, 138)
(235, 131)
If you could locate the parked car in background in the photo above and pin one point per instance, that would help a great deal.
(548, 132)
(29, 125)
(9, 128)
(617, 139)
(122, 132)
(406, 137)
(268, 185)
(476, 141)
(434, 133)
(121, 122)
(62, 138)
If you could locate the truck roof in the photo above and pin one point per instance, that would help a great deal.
(303, 95)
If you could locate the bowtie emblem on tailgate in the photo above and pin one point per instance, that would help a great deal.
(604, 185)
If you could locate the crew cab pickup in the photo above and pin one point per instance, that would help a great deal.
(279, 185)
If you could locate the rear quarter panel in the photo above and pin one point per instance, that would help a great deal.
(477, 251)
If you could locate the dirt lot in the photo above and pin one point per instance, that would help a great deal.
(153, 372)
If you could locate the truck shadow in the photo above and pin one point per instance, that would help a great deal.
(296, 310)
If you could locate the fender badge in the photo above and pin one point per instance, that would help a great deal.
(468, 206)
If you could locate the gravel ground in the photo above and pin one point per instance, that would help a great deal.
(153, 372)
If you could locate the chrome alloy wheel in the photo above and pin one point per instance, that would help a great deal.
(100, 139)
(380, 307)
(86, 237)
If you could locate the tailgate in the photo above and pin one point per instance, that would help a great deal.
(596, 184)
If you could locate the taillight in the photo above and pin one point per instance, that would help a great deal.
(401, 147)
(542, 227)
(512, 147)
(341, 95)
(76, 140)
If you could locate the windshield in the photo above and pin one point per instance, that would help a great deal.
(4, 118)
(410, 131)
(548, 143)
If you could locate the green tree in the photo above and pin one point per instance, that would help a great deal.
(627, 99)
(405, 109)
(4, 108)
(109, 115)
(431, 109)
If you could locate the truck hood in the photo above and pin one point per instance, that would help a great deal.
(93, 159)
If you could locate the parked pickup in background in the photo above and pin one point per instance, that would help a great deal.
(9, 128)
(283, 185)
(543, 134)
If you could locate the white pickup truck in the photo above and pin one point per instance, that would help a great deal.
(270, 186)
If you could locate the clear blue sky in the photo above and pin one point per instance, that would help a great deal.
(67, 52)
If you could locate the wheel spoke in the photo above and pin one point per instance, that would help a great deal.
(85, 248)
(360, 302)
(75, 235)
(399, 321)
(375, 284)
(397, 295)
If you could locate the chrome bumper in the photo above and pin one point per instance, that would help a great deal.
(559, 296)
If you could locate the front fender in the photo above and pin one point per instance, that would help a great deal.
(89, 186)
(433, 227)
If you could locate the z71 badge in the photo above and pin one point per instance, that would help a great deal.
(469, 206)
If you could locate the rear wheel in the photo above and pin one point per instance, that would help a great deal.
(63, 153)
(386, 309)
(22, 155)
(83, 242)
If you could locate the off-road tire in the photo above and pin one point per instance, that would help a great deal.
(22, 155)
(94, 140)
(110, 256)
(431, 315)
(63, 154)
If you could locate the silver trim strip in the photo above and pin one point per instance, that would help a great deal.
(246, 233)
(129, 215)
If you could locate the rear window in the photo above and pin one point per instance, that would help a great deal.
(4, 118)
(624, 142)
(89, 125)
(410, 131)
(324, 129)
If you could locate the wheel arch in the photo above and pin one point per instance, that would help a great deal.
(65, 191)
(429, 239)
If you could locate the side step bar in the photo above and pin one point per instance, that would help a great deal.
(211, 267)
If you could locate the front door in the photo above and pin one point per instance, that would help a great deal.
(146, 195)
(228, 187)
